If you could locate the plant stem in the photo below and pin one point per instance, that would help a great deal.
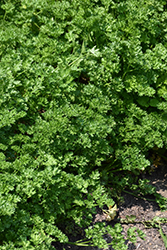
(162, 156)
(164, 237)
(138, 196)
(82, 244)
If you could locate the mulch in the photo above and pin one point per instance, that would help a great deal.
(144, 210)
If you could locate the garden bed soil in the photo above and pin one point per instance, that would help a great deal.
(144, 210)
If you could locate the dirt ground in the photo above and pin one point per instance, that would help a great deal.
(146, 210)
(143, 210)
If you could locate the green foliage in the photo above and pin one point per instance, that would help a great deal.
(82, 87)
(153, 223)
(95, 236)
(164, 237)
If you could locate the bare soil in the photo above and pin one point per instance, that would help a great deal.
(143, 210)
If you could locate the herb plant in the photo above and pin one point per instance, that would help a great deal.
(83, 92)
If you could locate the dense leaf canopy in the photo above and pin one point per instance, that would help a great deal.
(83, 88)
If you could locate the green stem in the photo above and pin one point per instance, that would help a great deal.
(82, 244)
(81, 240)
(4, 15)
(138, 196)
(110, 166)
(164, 237)
(162, 156)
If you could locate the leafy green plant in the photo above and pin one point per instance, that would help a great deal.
(82, 93)
(94, 236)
(154, 223)
(142, 188)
